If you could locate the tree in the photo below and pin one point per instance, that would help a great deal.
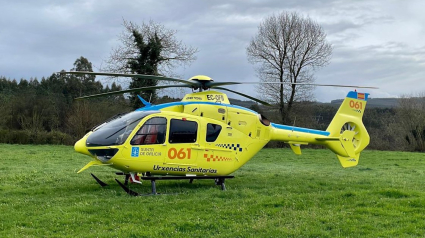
(148, 49)
(288, 48)
(83, 64)
(145, 63)
(83, 84)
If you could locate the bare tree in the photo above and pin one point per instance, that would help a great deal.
(288, 48)
(173, 53)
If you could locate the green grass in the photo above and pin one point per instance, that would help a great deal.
(276, 194)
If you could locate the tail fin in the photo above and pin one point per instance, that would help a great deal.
(348, 136)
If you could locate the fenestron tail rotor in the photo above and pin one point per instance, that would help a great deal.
(351, 126)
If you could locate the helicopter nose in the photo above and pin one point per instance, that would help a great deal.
(80, 146)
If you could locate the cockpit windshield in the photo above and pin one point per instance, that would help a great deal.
(116, 131)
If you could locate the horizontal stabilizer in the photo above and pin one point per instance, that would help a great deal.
(296, 148)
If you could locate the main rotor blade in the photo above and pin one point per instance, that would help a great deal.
(215, 84)
(244, 95)
(313, 84)
(336, 85)
(132, 90)
(141, 76)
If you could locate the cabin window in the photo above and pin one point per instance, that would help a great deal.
(152, 132)
(213, 130)
(183, 131)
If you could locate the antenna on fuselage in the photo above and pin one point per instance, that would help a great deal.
(147, 104)
(295, 119)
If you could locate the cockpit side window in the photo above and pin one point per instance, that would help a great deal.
(213, 130)
(116, 131)
(152, 132)
(183, 131)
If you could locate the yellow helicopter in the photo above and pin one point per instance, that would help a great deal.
(205, 137)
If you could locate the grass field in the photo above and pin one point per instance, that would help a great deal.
(276, 194)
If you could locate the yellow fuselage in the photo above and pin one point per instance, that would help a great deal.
(204, 135)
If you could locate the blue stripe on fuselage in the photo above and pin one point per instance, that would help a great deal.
(300, 129)
(172, 104)
(284, 127)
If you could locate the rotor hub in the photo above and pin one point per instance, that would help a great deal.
(202, 81)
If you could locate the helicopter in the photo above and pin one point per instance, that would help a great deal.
(204, 136)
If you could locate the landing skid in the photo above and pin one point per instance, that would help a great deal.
(219, 180)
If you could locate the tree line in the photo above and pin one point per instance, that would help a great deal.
(45, 111)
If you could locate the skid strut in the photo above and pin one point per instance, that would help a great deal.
(127, 190)
(103, 184)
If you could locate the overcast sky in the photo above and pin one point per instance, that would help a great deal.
(375, 43)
